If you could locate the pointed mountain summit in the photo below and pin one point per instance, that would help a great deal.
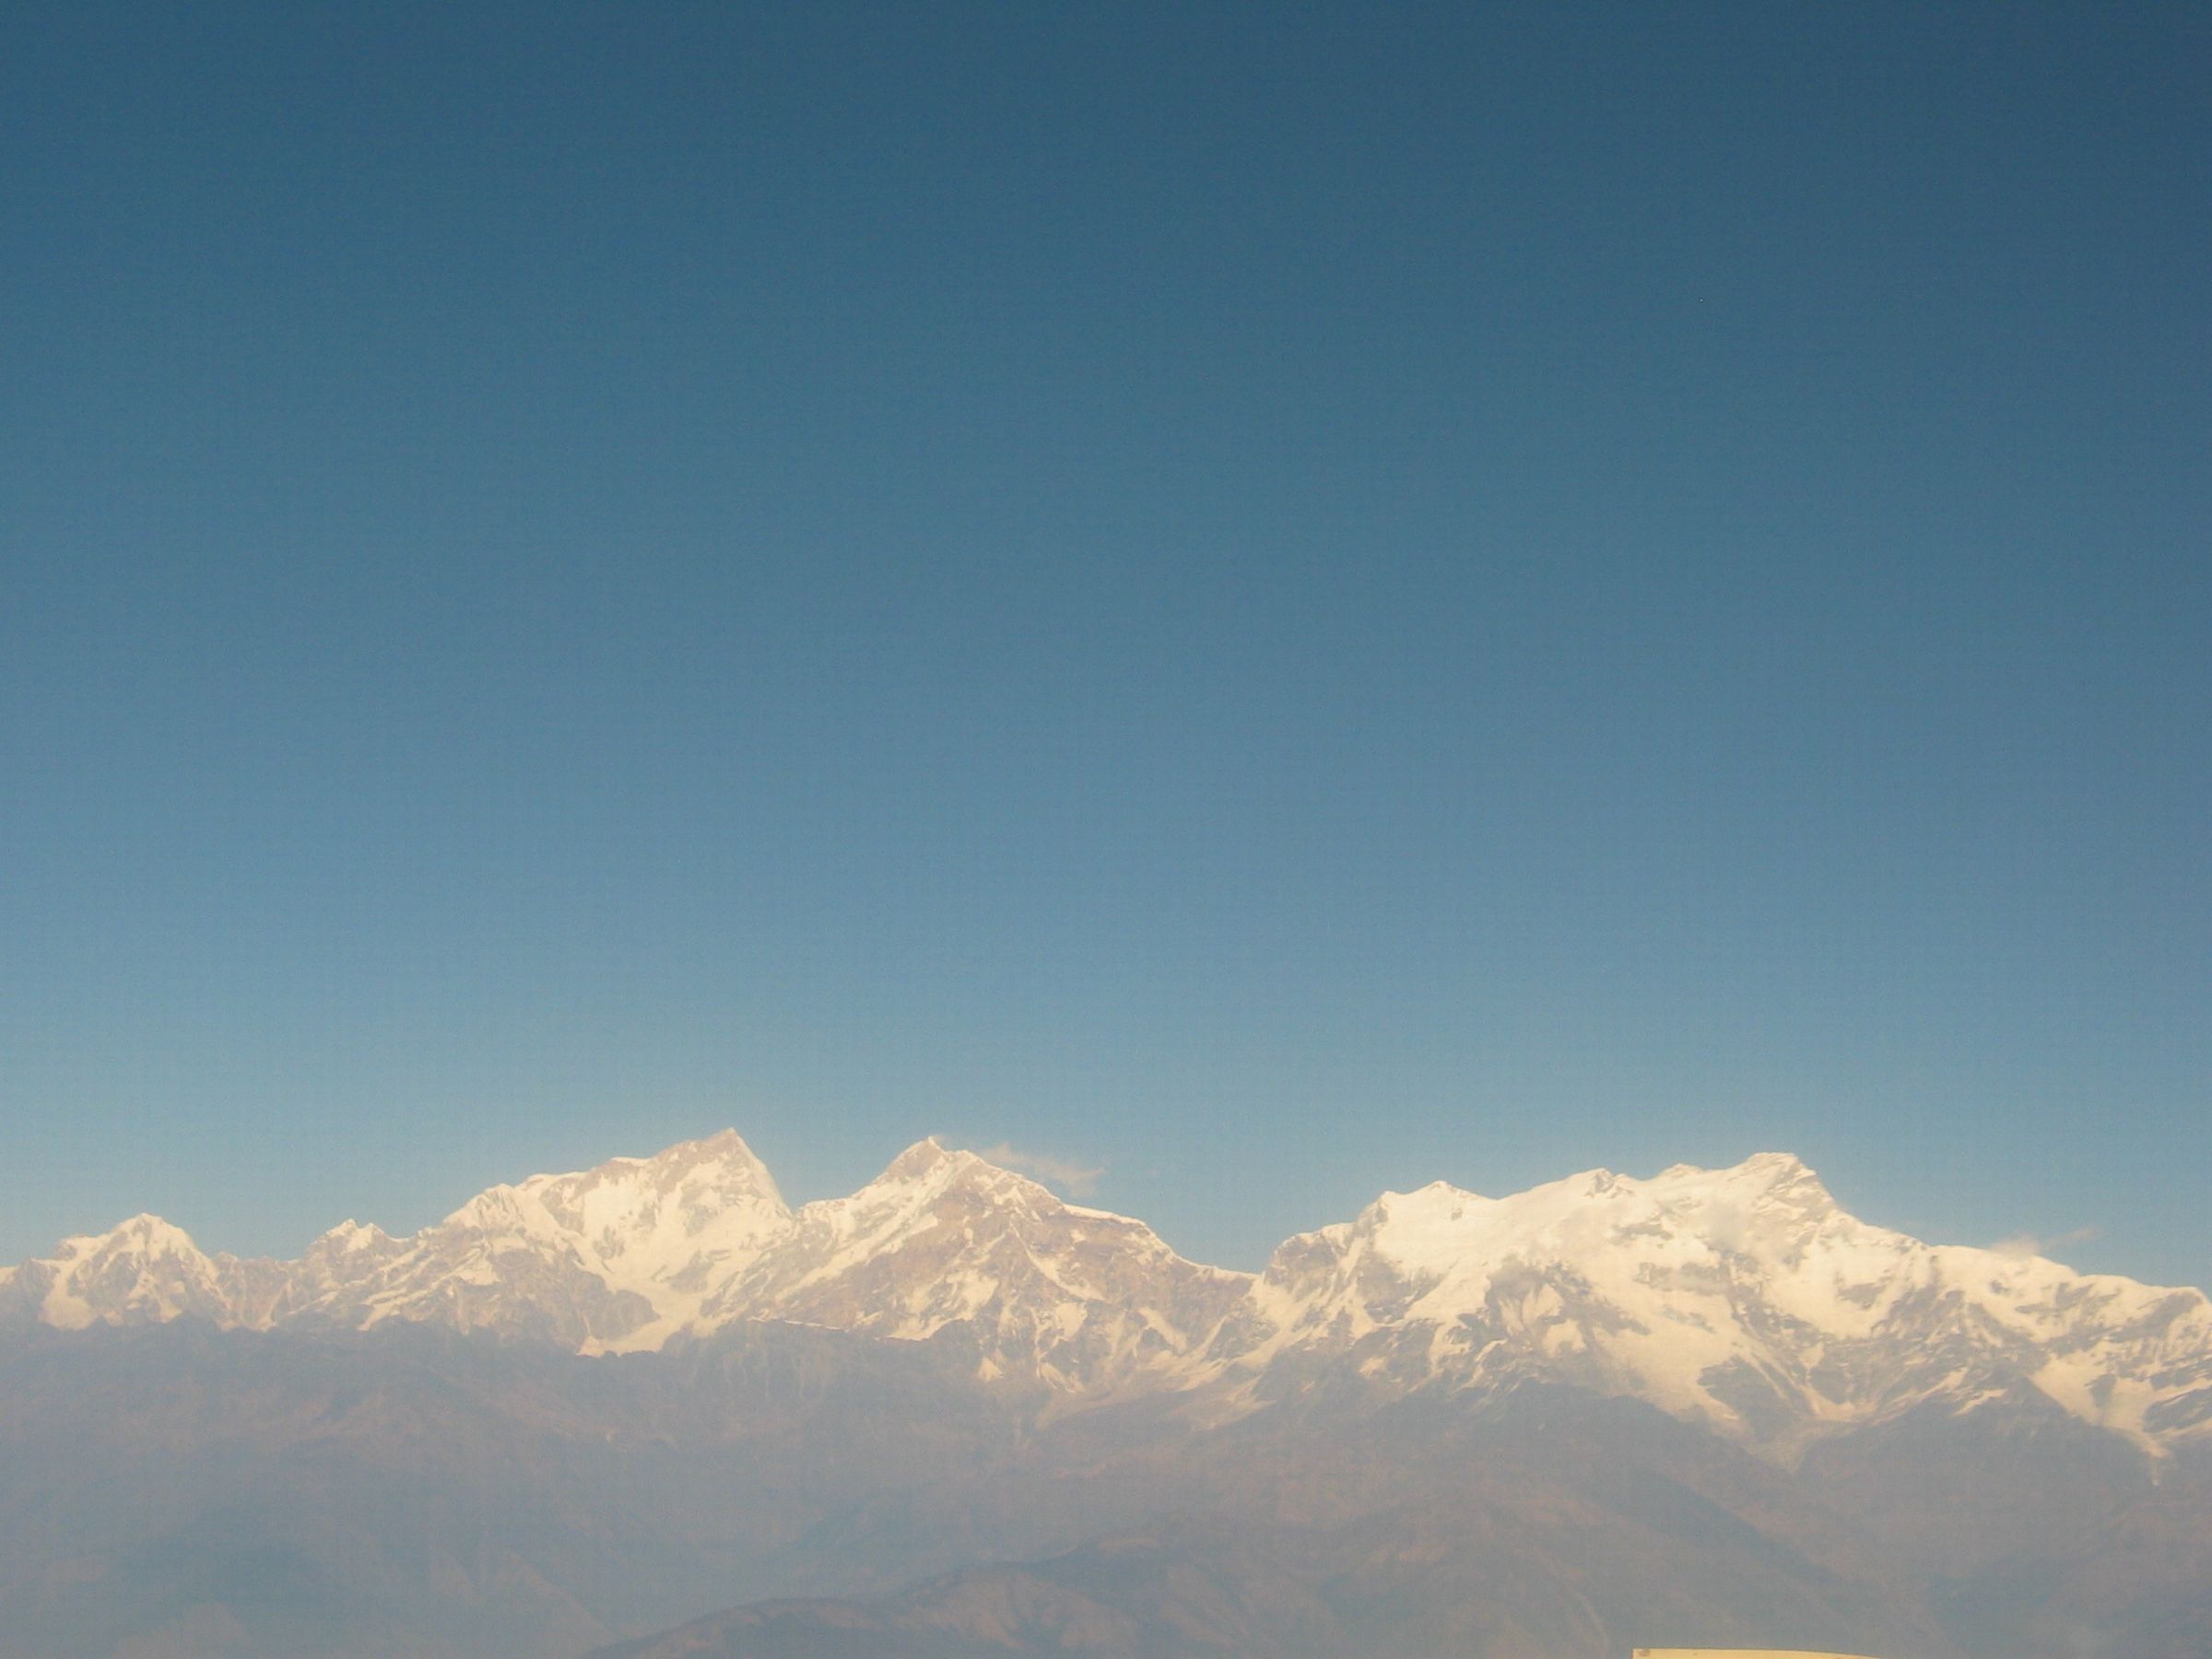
(617, 1257)
(1081, 1299)
(1743, 1298)
(142, 1271)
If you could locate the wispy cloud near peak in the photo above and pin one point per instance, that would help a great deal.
(2025, 1244)
(1077, 1180)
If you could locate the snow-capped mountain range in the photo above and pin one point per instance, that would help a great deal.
(1743, 1298)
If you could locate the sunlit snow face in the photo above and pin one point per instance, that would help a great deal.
(1744, 1296)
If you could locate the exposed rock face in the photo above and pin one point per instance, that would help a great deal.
(1745, 1299)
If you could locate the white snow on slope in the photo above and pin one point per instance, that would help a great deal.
(1745, 1297)
(143, 1271)
(1081, 1298)
(616, 1258)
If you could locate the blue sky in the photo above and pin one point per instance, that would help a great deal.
(1275, 600)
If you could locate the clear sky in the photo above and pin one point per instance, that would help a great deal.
(1280, 600)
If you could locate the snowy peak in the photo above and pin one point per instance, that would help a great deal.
(681, 1191)
(142, 1238)
(1078, 1297)
(929, 1173)
(1745, 1297)
(927, 1157)
(349, 1237)
(142, 1271)
(350, 1242)
(618, 1256)
(920, 1179)
(678, 1215)
(640, 1251)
